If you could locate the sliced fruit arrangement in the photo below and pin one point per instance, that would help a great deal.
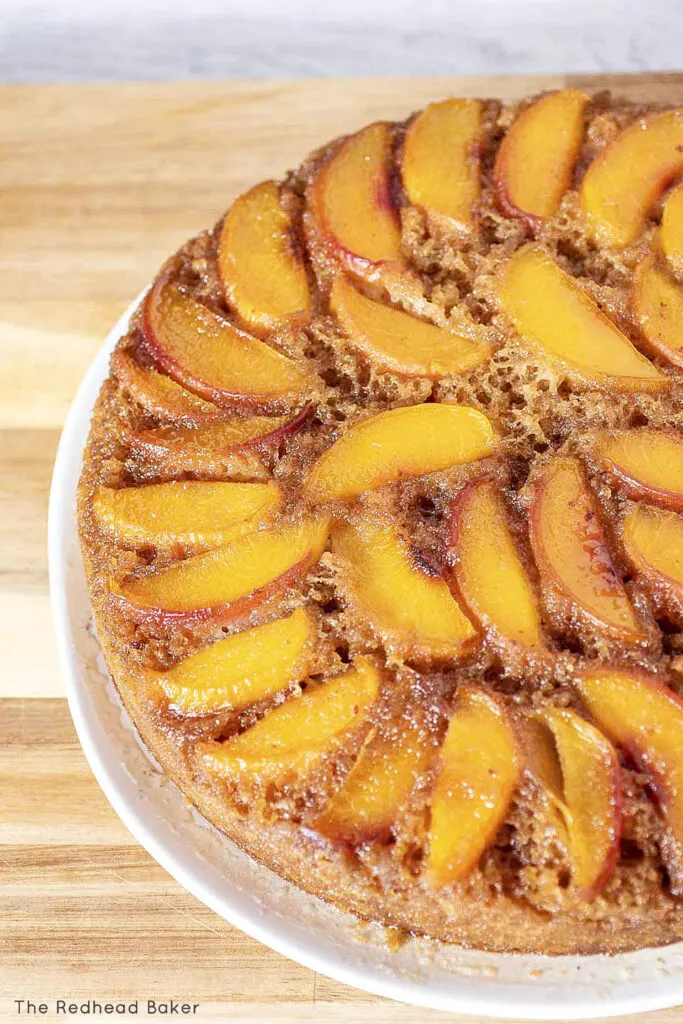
(547, 136)
(645, 718)
(645, 463)
(488, 570)
(658, 307)
(210, 356)
(283, 514)
(379, 786)
(351, 213)
(306, 728)
(559, 320)
(671, 234)
(410, 441)
(399, 342)
(235, 443)
(653, 540)
(229, 582)
(579, 771)
(479, 768)
(260, 263)
(412, 610)
(242, 669)
(623, 183)
(572, 554)
(196, 513)
(441, 162)
(159, 395)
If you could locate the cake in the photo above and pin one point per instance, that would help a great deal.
(382, 519)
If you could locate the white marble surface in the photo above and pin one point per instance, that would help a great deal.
(86, 40)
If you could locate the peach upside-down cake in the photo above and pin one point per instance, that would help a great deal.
(382, 514)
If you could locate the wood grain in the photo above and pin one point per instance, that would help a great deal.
(97, 185)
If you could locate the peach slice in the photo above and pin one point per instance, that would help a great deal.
(478, 774)
(571, 552)
(488, 570)
(250, 432)
(414, 612)
(233, 445)
(590, 802)
(625, 180)
(441, 160)
(242, 669)
(211, 357)
(558, 319)
(174, 450)
(159, 395)
(379, 785)
(390, 446)
(260, 265)
(196, 513)
(546, 136)
(293, 737)
(228, 582)
(658, 307)
(541, 759)
(672, 229)
(350, 205)
(399, 342)
(653, 540)
(645, 463)
(645, 718)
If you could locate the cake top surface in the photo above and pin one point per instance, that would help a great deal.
(381, 507)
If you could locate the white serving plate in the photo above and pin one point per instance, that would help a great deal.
(250, 896)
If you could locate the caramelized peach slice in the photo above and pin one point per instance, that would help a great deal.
(441, 160)
(228, 582)
(399, 342)
(350, 206)
(541, 759)
(159, 395)
(488, 570)
(173, 450)
(653, 540)
(658, 307)
(558, 319)
(410, 441)
(672, 229)
(590, 797)
(571, 553)
(302, 730)
(196, 513)
(233, 444)
(213, 358)
(260, 265)
(646, 719)
(242, 669)
(547, 137)
(379, 785)
(479, 770)
(645, 463)
(413, 611)
(625, 180)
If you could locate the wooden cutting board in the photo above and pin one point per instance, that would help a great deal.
(98, 184)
